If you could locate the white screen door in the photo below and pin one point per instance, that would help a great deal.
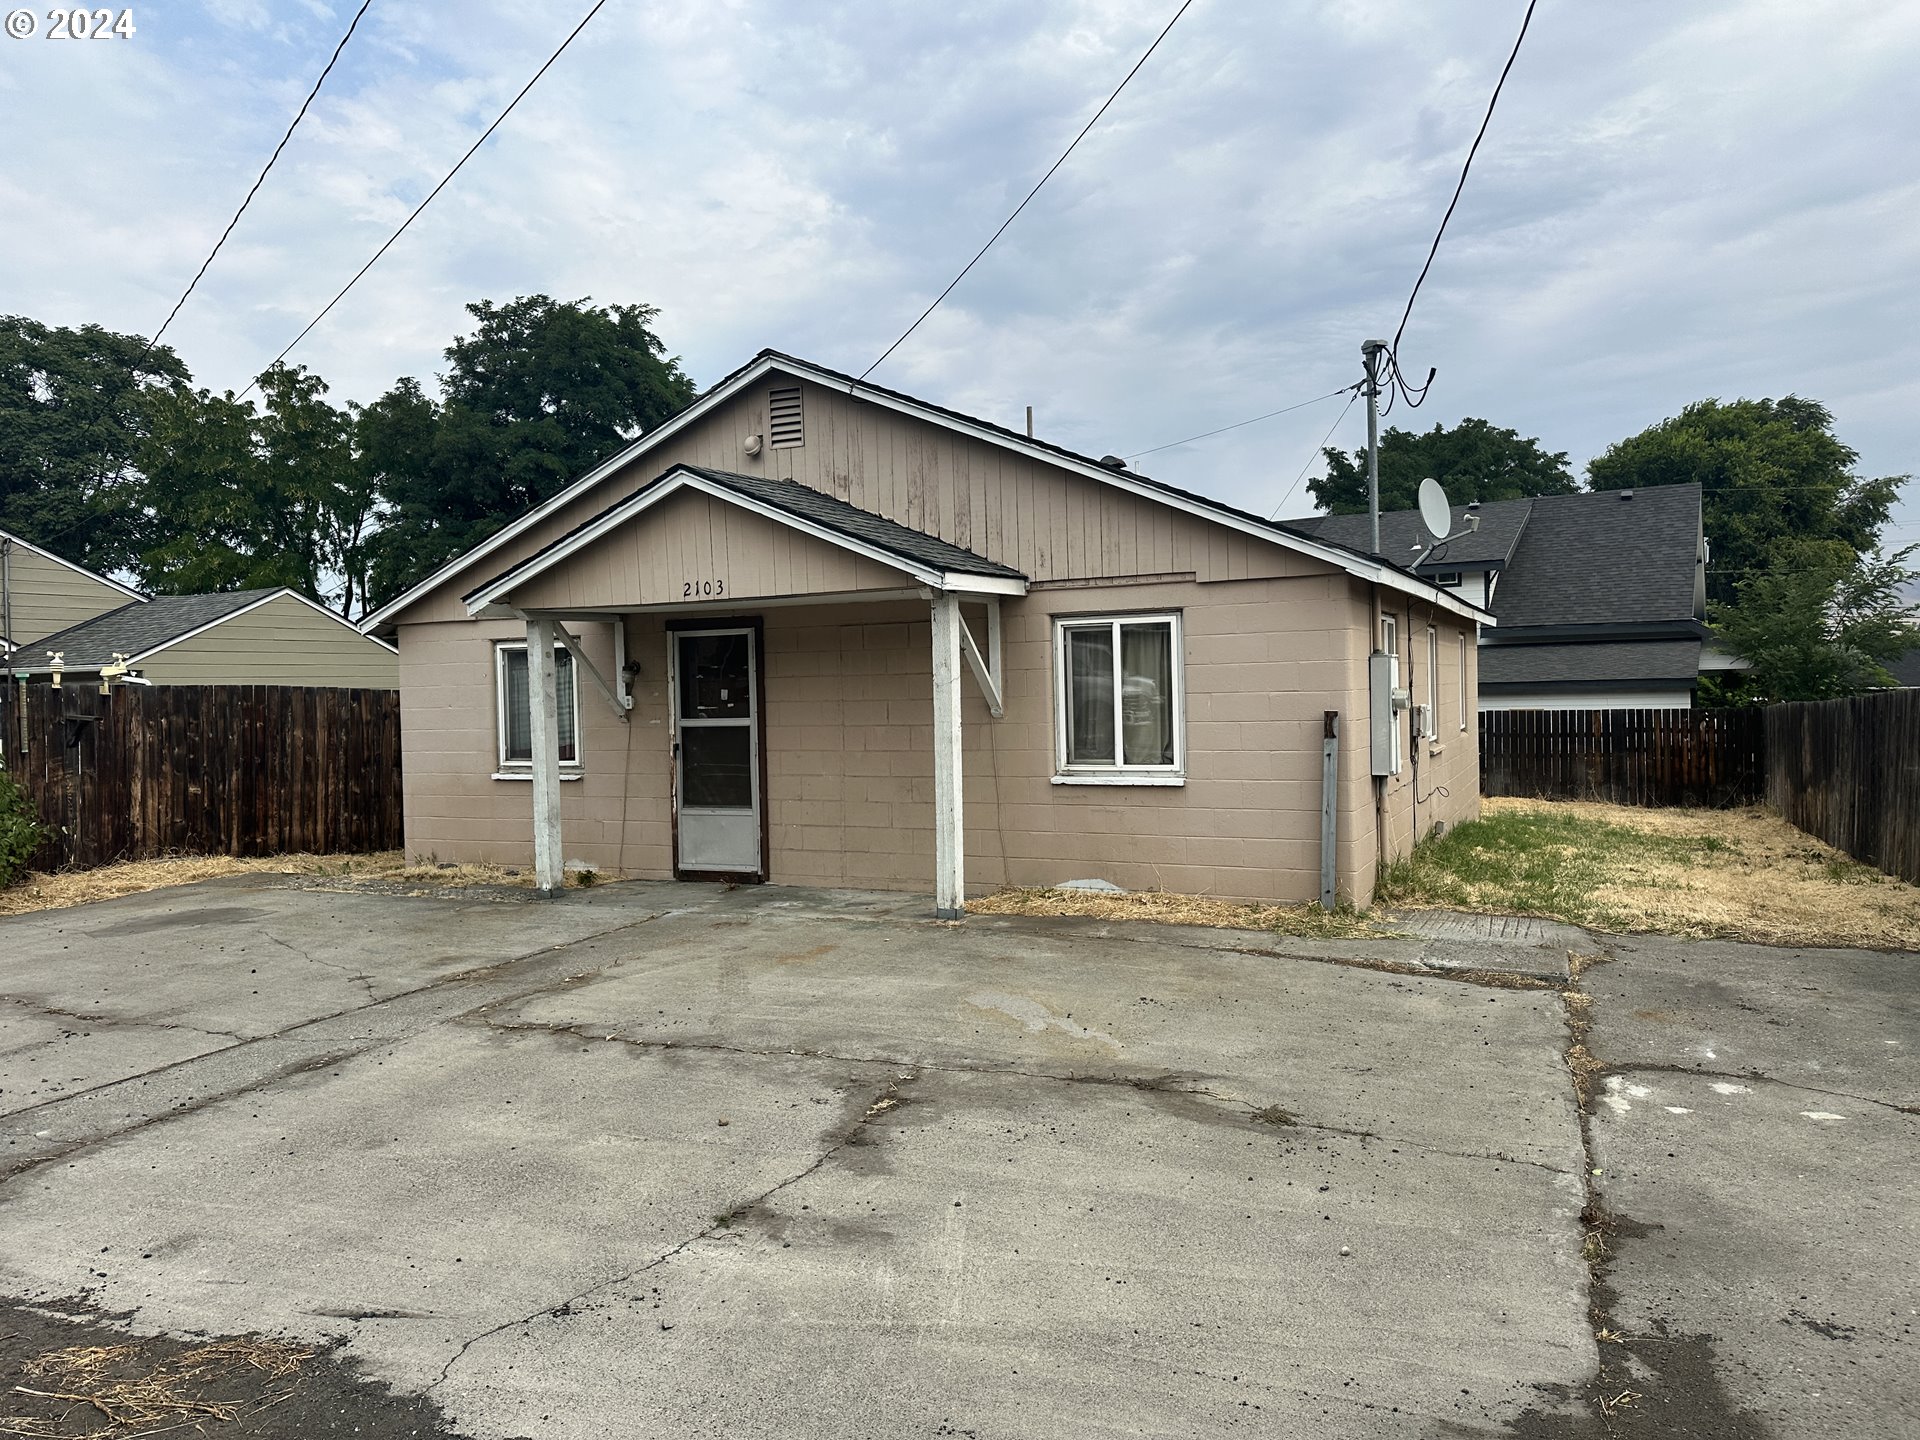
(716, 751)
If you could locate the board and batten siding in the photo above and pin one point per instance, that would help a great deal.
(48, 596)
(667, 553)
(282, 642)
(1046, 522)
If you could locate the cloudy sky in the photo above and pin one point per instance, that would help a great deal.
(1675, 201)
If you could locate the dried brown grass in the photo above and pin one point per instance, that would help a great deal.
(1766, 881)
(387, 869)
(112, 1394)
(1164, 908)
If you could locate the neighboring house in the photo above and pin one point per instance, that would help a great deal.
(242, 637)
(1905, 669)
(816, 632)
(1600, 597)
(41, 593)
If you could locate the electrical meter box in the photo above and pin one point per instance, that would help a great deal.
(1388, 700)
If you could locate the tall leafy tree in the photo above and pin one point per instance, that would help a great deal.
(1474, 460)
(1818, 622)
(538, 393)
(1772, 473)
(240, 497)
(73, 417)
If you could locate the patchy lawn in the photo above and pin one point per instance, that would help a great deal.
(387, 870)
(1726, 874)
(1169, 909)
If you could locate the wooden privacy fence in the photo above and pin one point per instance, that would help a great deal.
(205, 769)
(1848, 771)
(1628, 757)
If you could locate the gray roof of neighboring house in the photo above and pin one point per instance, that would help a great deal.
(136, 628)
(1607, 558)
(1607, 662)
(1501, 522)
(1905, 668)
(850, 520)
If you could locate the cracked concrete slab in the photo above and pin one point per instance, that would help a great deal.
(449, 1178)
(1842, 1020)
(1749, 1136)
(1425, 1060)
(1780, 1223)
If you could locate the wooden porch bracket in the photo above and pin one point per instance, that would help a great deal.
(619, 699)
(988, 671)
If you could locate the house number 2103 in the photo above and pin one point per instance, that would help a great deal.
(702, 589)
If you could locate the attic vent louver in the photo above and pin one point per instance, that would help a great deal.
(784, 425)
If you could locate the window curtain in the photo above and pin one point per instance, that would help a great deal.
(520, 706)
(1146, 693)
(1090, 696)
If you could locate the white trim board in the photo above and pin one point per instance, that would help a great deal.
(679, 479)
(1378, 571)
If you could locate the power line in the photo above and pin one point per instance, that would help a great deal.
(434, 192)
(1208, 435)
(1393, 350)
(1030, 194)
(1274, 514)
(261, 179)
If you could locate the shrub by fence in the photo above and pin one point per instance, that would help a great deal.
(204, 769)
(1848, 771)
(1628, 757)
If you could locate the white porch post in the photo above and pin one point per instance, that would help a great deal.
(543, 704)
(949, 828)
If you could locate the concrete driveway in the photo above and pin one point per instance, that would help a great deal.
(676, 1160)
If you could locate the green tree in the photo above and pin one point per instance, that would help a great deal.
(73, 416)
(1818, 622)
(539, 393)
(1772, 474)
(1474, 460)
(239, 497)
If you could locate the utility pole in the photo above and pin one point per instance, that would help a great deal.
(1370, 355)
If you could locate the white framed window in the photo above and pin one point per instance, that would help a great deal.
(1390, 635)
(1447, 577)
(514, 706)
(1463, 681)
(1119, 699)
(1433, 683)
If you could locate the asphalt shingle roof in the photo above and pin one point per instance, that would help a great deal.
(1606, 558)
(1501, 522)
(138, 627)
(1620, 662)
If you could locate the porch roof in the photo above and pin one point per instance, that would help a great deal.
(926, 558)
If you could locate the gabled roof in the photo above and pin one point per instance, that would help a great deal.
(1622, 662)
(147, 626)
(108, 581)
(1355, 562)
(1608, 558)
(927, 558)
(1501, 522)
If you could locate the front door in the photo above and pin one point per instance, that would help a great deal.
(716, 747)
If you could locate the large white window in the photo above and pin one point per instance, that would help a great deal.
(514, 699)
(1119, 699)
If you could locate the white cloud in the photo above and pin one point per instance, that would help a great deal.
(1672, 202)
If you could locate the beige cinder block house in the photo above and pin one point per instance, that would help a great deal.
(814, 632)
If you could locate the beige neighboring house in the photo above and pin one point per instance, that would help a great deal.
(814, 632)
(274, 636)
(40, 593)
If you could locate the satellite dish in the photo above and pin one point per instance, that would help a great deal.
(1435, 513)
